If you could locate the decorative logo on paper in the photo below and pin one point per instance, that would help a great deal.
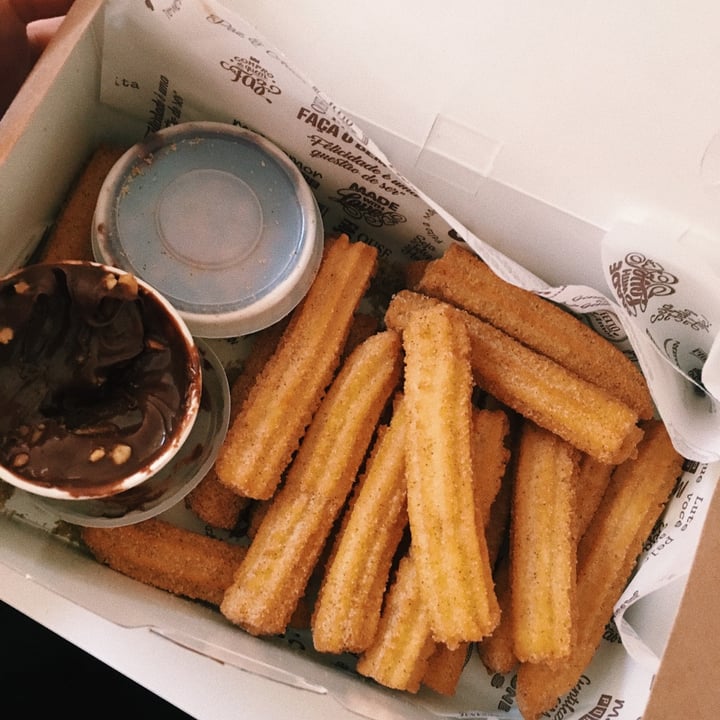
(361, 203)
(638, 278)
(249, 72)
(670, 313)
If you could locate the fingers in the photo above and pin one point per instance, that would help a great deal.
(40, 33)
(28, 11)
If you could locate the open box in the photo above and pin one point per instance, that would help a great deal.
(500, 192)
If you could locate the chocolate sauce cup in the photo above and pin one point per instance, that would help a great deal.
(100, 380)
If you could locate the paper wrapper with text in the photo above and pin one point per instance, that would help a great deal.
(168, 63)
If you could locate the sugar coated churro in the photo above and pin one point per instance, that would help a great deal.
(69, 237)
(543, 551)
(497, 652)
(538, 388)
(212, 501)
(593, 479)
(398, 658)
(451, 554)
(167, 557)
(444, 668)
(462, 278)
(636, 495)
(288, 542)
(347, 609)
(490, 456)
(288, 391)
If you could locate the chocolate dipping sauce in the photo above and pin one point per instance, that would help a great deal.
(94, 378)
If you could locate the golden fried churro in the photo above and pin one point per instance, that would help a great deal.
(451, 554)
(216, 504)
(167, 557)
(496, 527)
(593, 479)
(462, 278)
(294, 530)
(363, 326)
(497, 652)
(581, 413)
(490, 455)
(347, 610)
(413, 271)
(444, 668)
(398, 656)
(268, 429)
(543, 549)
(212, 501)
(634, 500)
(69, 237)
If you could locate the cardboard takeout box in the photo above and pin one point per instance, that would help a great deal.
(525, 160)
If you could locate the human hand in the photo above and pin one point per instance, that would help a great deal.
(26, 27)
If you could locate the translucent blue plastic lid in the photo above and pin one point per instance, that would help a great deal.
(216, 218)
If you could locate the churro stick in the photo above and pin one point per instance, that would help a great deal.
(157, 553)
(363, 326)
(451, 554)
(269, 427)
(462, 278)
(69, 237)
(632, 504)
(347, 610)
(399, 654)
(212, 501)
(215, 504)
(581, 413)
(593, 479)
(543, 549)
(496, 528)
(490, 455)
(286, 547)
(497, 652)
(444, 668)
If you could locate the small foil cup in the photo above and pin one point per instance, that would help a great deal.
(100, 380)
(216, 218)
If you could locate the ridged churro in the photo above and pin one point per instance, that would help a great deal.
(69, 236)
(637, 494)
(497, 652)
(462, 278)
(363, 326)
(160, 554)
(212, 501)
(269, 427)
(593, 479)
(444, 668)
(543, 546)
(581, 413)
(347, 609)
(450, 552)
(286, 547)
(490, 456)
(398, 657)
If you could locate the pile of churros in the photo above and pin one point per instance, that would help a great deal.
(474, 471)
